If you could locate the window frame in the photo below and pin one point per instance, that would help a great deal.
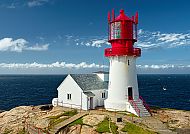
(103, 95)
(69, 96)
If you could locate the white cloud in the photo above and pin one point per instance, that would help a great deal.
(18, 45)
(92, 42)
(151, 40)
(98, 43)
(23, 3)
(8, 44)
(82, 65)
(146, 40)
(38, 47)
(34, 3)
(163, 66)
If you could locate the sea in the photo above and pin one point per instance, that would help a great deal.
(165, 91)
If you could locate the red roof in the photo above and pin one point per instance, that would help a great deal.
(122, 16)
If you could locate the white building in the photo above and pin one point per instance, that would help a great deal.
(88, 91)
(85, 91)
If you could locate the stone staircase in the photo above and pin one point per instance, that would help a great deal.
(143, 111)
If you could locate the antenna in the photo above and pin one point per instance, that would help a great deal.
(109, 17)
(136, 18)
(113, 15)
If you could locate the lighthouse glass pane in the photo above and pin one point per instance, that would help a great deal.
(116, 30)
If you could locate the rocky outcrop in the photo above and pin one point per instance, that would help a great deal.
(16, 119)
(74, 129)
(88, 130)
(174, 118)
(93, 119)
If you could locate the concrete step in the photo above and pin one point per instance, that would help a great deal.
(141, 107)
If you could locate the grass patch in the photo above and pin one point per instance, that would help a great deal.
(54, 122)
(114, 128)
(70, 113)
(67, 113)
(56, 117)
(76, 122)
(103, 127)
(134, 129)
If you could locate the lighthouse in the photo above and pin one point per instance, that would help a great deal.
(123, 93)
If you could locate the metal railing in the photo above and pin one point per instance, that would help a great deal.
(134, 105)
(122, 51)
(145, 104)
(69, 105)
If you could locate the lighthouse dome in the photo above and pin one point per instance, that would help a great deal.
(122, 16)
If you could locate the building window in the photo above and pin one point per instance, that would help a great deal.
(103, 95)
(128, 62)
(68, 96)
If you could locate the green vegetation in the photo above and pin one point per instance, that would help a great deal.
(134, 129)
(67, 113)
(70, 113)
(76, 122)
(103, 127)
(57, 119)
(114, 128)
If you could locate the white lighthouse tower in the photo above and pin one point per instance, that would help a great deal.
(123, 94)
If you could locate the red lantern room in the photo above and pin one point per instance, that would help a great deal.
(122, 35)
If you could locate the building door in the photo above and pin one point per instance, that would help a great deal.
(130, 93)
(91, 102)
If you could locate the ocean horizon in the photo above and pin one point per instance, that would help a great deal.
(161, 90)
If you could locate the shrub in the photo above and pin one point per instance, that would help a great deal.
(103, 126)
(134, 129)
(76, 122)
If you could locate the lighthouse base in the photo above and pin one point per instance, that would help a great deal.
(115, 105)
(127, 106)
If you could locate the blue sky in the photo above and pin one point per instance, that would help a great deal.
(69, 36)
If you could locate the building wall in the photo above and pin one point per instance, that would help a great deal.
(102, 76)
(98, 100)
(78, 98)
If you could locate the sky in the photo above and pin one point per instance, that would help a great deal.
(69, 36)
